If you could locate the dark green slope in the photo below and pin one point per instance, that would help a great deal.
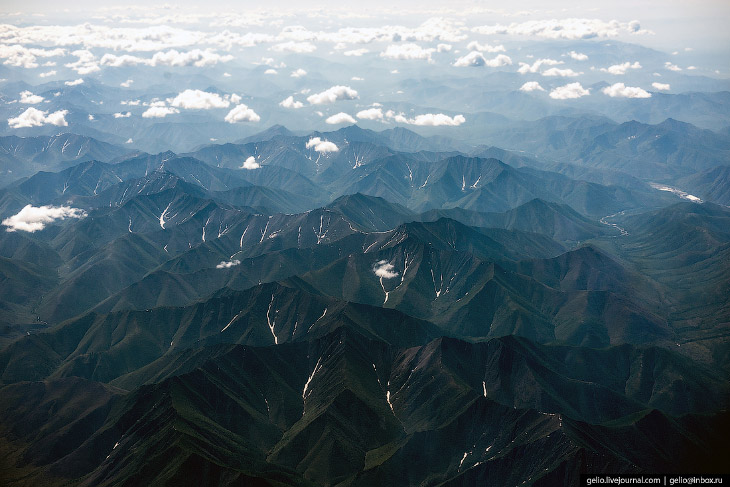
(344, 408)
(685, 248)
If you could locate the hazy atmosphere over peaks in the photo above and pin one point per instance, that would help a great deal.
(431, 244)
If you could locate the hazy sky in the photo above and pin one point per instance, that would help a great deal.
(676, 23)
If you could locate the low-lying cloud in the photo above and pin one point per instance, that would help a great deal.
(339, 118)
(242, 113)
(333, 94)
(34, 218)
(227, 264)
(384, 270)
(250, 163)
(33, 117)
(620, 90)
(321, 146)
(569, 91)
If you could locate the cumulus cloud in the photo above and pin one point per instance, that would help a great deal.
(289, 102)
(321, 146)
(299, 73)
(271, 71)
(173, 58)
(619, 69)
(75, 82)
(122, 115)
(85, 64)
(672, 67)
(159, 112)
(620, 90)
(34, 218)
(227, 264)
(569, 91)
(332, 95)
(126, 84)
(563, 73)
(578, 56)
(384, 270)
(24, 57)
(293, 46)
(407, 51)
(242, 113)
(565, 28)
(475, 46)
(437, 120)
(370, 114)
(535, 67)
(661, 86)
(48, 73)
(250, 163)
(443, 48)
(33, 117)
(199, 100)
(339, 118)
(531, 86)
(476, 59)
(29, 98)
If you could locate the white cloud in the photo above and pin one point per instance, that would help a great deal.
(299, 73)
(672, 67)
(578, 56)
(443, 48)
(242, 113)
(356, 52)
(321, 146)
(29, 98)
(173, 58)
(384, 270)
(535, 67)
(357, 78)
(33, 117)
(407, 51)
(565, 28)
(122, 115)
(370, 114)
(91, 117)
(476, 58)
(47, 74)
(159, 112)
(289, 102)
(250, 163)
(333, 94)
(569, 91)
(619, 69)
(75, 82)
(34, 218)
(339, 118)
(475, 46)
(227, 75)
(271, 71)
(620, 90)
(661, 86)
(691, 68)
(228, 264)
(23, 57)
(531, 86)
(292, 46)
(563, 73)
(199, 100)
(129, 141)
(127, 83)
(437, 119)
(85, 64)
